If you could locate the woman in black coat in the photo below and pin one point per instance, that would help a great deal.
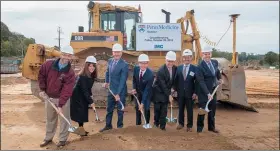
(81, 97)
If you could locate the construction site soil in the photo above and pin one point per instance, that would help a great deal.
(23, 122)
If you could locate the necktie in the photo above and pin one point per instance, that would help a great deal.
(170, 73)
(213, 72)
(141, 75)
(211, 68)
(113, 65)
(185, 72)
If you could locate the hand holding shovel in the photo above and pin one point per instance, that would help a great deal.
(146, 126)
(59, 111)
(171, 119)
(118, 100)
(210, 98)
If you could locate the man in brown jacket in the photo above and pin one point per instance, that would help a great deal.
(56, 80)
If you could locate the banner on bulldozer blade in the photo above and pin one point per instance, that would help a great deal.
(158, 37)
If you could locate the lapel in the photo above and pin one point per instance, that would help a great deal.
(190, 69)
(145, 74)
(166, 72)
(173, 72)
(137, 74)
(182, 69)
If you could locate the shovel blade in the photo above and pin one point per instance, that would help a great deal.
(147, 126)
(167, 119)
(72, 129)
(202, 111)
(99, 121)
(174, 120)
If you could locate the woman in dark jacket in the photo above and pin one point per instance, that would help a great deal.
(81, 97)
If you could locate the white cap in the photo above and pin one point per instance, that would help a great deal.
(68, 49)
(170, 55)
(187, 52)
(143, 58)
(117, 47)
(207, 49)
(91, 59)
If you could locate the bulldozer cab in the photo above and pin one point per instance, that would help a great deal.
(108, 25)
(120, 21)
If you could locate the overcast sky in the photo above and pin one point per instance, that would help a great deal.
(257, 27)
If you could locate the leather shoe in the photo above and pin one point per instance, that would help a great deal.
(189, 129)
(45, 143)
(179, 127)
(61, 143)
(163, 129)
(104, 129)
(214, 131)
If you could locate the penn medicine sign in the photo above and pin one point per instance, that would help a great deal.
(158, 37)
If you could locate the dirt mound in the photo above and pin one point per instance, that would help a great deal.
(136, 137)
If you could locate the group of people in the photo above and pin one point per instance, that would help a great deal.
(72, 94)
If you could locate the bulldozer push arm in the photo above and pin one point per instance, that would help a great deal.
(35, 56)
(190, 19)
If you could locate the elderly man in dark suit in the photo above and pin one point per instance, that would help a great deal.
(208, 76)
(185, 86)
(162, 89)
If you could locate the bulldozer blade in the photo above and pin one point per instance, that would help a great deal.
(233, 89)
(237, 86)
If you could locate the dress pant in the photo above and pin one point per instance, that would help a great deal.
(111, 103)
(211, 115)
(187, 103)
(139, 114)
(160, 113)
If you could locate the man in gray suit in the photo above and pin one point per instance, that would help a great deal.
(116, 76)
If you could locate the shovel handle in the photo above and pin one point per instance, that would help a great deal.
(96, 115)
(59, 112)
(206, 107)
(115, 97)
(140, 110)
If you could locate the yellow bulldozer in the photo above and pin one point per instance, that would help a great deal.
(110, 24)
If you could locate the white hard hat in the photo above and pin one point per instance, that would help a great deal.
(117, 47)
(67, 49)
(91, 59)
(207, 49)
(170, 55)
(187, 52)
(143, 57)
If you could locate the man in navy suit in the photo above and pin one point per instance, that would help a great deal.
(208, 77)
(116, 76)
(143, 78)
(162, 89)
(185, 86)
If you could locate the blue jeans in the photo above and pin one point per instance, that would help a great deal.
(111, 102)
